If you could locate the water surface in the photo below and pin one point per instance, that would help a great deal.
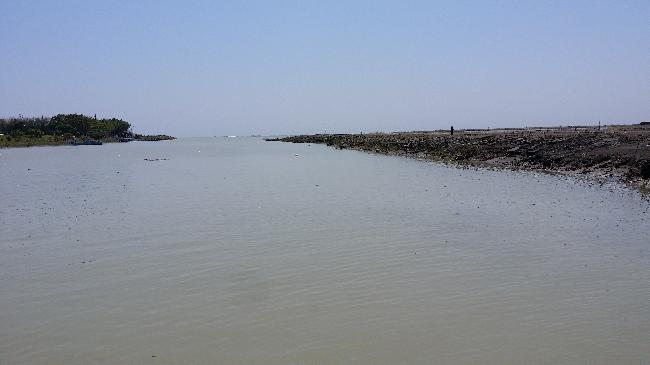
(240, 251)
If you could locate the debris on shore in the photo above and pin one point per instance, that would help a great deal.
(620, 152)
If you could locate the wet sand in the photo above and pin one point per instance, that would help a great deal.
(620, 152)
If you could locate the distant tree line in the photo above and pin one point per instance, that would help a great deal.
(71, 125)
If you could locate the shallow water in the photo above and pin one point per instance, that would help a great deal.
(237, 251)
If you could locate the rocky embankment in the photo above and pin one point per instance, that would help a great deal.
(156, 137)
(620, 152)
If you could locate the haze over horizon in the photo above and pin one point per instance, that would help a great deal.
(237, 68)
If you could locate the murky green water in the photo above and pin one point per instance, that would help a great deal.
(237, 251)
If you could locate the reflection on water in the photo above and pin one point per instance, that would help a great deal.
(237, 251)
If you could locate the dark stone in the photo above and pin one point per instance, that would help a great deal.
(645, 170)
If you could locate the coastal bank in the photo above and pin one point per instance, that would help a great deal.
(619, 152)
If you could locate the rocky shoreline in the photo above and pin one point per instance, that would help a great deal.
(620, 152)
(153, 138)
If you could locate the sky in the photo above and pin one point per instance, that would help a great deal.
(204, 68)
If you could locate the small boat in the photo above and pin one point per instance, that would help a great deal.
(87, 142)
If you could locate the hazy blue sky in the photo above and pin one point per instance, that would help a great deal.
(246, 67)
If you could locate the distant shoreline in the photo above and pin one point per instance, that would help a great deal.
(620, 152)
(49, 140)
(66, 129)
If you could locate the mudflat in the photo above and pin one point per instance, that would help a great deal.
(620, 152)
